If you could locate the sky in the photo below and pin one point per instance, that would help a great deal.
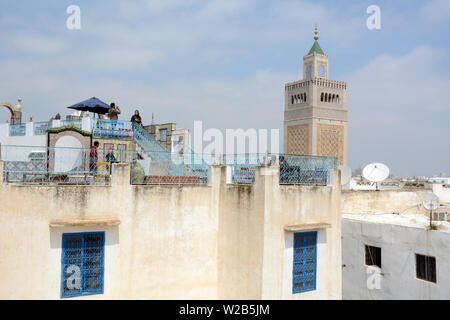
(225, 62)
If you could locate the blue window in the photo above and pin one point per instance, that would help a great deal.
(82, 263)
(305, 256)
(163, 134)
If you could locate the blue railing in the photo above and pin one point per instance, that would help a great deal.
(112, 129)
(44, 165)
(149, 144)
(17, 130)
(40, 128)
(305, 170)
(148, 171)
(243, 166)
(75, 166)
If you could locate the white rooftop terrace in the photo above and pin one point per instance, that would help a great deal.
(419, 221)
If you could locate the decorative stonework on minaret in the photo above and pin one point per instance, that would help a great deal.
(315, 113)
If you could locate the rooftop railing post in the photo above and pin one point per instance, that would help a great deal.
(86, 124)
(121, 174)
(2, 168)
(56, 123)
(29, 129)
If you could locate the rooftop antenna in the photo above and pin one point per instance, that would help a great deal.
(431, 202)
(376, 172)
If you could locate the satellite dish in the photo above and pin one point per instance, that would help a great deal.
(431, 201)
(346, 174)
(376, 172)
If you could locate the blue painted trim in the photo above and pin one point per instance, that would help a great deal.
(303, 245)
(83, 292)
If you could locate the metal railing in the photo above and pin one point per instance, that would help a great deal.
(53, 165)
(173, 170)
(17, 130)
(294, 169)
(305, 170)
(112, 129)
(40, 128)
(242, 166)
(81, 166)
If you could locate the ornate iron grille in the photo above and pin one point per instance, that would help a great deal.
(82, 264)
(305, 170)
(305, 256)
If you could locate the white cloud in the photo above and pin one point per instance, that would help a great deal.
(38, 44)
(436, 10)
(397, 107)
(119, 59)
(236, 101)
(413, 81)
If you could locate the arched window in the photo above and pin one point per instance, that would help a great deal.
(337, 99)
(321, 97)
(333, 98)
(304, 95)
(292, 99)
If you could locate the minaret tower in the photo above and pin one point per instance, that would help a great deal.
(315, 112)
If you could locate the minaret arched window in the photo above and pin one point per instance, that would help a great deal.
(321, 97)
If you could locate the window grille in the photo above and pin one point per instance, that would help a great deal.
(426, 268)
(82, 264)
(305, 257)
(163, 135)
(373, 256)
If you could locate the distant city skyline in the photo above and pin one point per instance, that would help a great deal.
(226, 63)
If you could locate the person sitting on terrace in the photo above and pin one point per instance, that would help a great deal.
(58, 116)
(136, 118)
(114, 112)
(110, 157)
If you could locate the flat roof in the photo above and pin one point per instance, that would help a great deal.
(407, 220)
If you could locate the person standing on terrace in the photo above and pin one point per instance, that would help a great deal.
(136, 118)
(114, 112)
(93, 158)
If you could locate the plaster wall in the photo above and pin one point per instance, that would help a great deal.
(385, 201)
(398, 244)
(173, 242)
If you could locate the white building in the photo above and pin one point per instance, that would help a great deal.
(410, 261)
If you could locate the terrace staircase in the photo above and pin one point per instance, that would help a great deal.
(153, 149)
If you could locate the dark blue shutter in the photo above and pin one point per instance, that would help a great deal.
(82, 263)
(305, 256)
